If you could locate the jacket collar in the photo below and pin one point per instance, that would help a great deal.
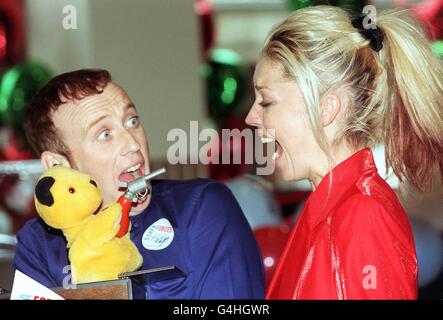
(334, 186)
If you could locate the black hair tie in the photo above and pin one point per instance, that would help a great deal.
(375, 36)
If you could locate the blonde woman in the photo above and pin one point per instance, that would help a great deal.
(331, 88)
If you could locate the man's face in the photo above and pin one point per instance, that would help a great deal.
(105, 139)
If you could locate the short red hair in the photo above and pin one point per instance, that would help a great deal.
(39, 127)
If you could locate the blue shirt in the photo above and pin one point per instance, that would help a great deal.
(212, 243)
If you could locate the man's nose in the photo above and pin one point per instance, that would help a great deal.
(253, 118)
(130, 143)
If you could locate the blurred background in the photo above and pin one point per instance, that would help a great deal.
(179, 60)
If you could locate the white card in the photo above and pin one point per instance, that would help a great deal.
(26, 288)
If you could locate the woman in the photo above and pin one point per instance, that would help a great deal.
(330, 88)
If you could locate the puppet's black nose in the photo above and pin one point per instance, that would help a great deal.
(42, 191)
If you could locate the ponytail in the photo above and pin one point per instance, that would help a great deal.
(412, 106)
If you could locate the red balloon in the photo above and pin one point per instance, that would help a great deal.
(235, 146)
(205, 12)
(12, 32)
(272, 241)
(430, 13)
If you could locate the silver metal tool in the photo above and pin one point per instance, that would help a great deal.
(140, 187)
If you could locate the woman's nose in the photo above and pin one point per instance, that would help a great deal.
(253, 118)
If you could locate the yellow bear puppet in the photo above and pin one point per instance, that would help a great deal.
(69, 200)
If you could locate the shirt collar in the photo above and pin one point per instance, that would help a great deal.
(334, 186)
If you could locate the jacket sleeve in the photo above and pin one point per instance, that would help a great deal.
(226, 258)
(30, 258)
(373, 252)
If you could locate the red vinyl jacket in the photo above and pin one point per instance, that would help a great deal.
(351, 241)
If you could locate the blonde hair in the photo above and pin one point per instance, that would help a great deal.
(396, 94)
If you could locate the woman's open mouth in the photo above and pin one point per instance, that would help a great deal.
(278, 150)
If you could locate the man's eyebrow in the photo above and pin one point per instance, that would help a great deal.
(93, 123)
(130, 105)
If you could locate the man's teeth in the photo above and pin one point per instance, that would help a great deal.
(275, 155)
(267, 140)
(134, 168)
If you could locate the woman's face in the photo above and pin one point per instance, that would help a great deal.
(279, 106)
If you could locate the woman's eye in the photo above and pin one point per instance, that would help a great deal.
(265, 104)
(133, 122)
(104, 135)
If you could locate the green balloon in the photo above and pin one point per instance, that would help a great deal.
(225, 82)
(17, 86)
(437, 47)
(298, 4)
(353, 6)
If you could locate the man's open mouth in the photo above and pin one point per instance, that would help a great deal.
(132, 172)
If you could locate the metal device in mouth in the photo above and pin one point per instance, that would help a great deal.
(140, 187)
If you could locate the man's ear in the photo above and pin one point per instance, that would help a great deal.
(50, 159)
(330, 109)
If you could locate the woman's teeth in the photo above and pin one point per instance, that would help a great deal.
(267, 140)
(275, 155)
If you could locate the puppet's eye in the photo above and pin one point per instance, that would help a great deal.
(71, 190)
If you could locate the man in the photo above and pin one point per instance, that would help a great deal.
(84, 120)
